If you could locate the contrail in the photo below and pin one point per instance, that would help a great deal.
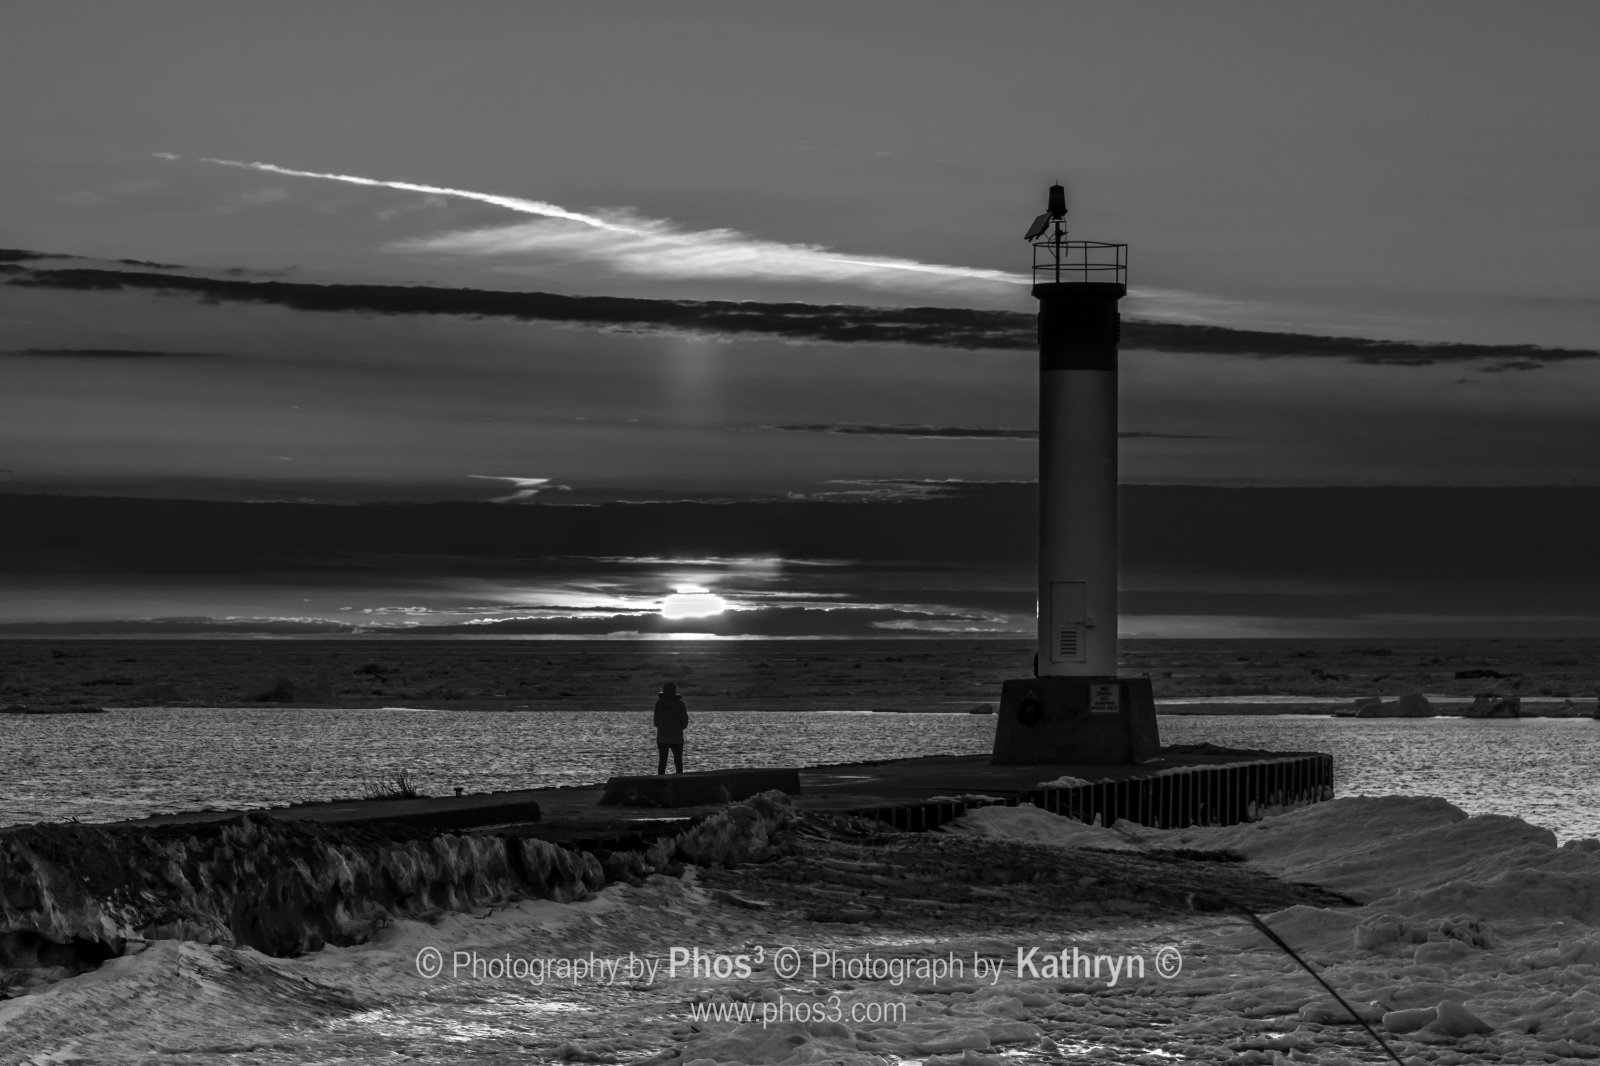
(655, 247)
(511, 203)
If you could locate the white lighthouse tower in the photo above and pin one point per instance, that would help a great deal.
(1076, 709)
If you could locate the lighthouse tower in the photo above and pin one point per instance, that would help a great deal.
(1075, 709)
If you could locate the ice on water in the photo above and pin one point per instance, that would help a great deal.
(129, 763)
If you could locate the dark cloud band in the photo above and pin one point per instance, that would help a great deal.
(939, 327)
(956, 432)
(106, 353)
(929, 432)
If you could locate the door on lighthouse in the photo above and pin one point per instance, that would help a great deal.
(1068, 612)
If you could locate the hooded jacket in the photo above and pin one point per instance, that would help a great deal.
(671, 719)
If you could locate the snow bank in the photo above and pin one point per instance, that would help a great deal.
(1034, 825)
(1416, 855)
(1476, 935)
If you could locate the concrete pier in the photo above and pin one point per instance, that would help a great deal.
(1174, 789)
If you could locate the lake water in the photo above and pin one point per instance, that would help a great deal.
(130, 763)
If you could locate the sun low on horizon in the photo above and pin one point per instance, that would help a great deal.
(692, 601)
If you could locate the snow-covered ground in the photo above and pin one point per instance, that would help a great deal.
(1476, 940)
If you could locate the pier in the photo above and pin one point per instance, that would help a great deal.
(1175, 790)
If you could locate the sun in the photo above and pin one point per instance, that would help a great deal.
(692, 601)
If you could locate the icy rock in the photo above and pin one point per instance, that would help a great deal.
(743, 832)
(1456, 1020)
(1468, 930)
(1006, 1006)
(1409, 1021)
(1329, 1011)
(1566, 953)
(1441, 952)
(281, 887)
(954, 1040)
(1011, 1032)
(1414, 705)
(590, 1050)
(1307, 928)
(1286, 1042)
(966, 1058)
(1411, 705)
(782, 1044)
(1419, 992)
(1490, 705)
(1385, 931)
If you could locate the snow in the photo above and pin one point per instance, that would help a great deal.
(1475, 939)
(1035, 825)
(1474, 936)
(1415, 855)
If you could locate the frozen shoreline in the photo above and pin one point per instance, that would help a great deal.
(1525, 960)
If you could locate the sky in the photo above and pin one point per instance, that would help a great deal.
(1418, 173)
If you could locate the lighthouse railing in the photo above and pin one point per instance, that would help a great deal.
(1059, 261)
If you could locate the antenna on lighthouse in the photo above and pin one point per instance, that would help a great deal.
(1056, 211)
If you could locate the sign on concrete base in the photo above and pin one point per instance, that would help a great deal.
(1088, 720)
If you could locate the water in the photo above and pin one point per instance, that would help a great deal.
(130, 763)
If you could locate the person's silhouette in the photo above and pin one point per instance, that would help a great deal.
(672, 717)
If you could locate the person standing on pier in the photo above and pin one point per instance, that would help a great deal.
(672, 717)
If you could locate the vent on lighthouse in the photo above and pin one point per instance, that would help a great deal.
(1069, 603)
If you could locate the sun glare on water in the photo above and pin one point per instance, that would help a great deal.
(692, 601)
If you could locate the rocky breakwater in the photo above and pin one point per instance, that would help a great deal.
(72, 896)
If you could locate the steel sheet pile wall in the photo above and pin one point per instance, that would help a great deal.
(1203, 795)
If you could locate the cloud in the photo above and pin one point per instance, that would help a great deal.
(1221, 340)
(511, 203)
(929, 432)
(108, 353)
(630, 243)
(660, 249)
(21, 255)
(109, 194)
(526, 487)
(956, 432)
(939, 327)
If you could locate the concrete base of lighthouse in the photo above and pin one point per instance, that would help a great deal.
(1094, 720)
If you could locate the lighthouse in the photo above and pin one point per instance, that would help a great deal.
(1076, 709)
